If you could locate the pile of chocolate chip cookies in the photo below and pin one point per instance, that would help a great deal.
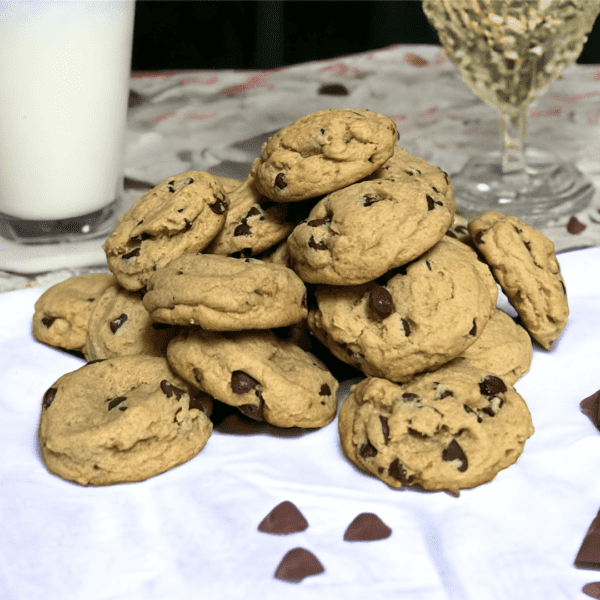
(341, 244)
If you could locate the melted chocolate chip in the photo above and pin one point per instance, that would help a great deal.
(473, 331)
(133, 254)
(396, 471)
(118, 322)
(312, 243)
(367, 450)
(385, 428)
(325, 390)
(49, 398)
(369, 200)
(405, 326)
(242, 229)
(280, 181)
(455, 452)
(298, 564)
(381, 301)
(492, 386)
(254, 411)
(318, 222)
(114, 402)
(47, 321)
(169, 390)
(218, 207)
(285, 518)
(367, 527)
(242, 383)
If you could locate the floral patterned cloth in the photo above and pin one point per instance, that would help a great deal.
(217, 121)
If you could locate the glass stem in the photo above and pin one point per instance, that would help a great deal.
(513, 136)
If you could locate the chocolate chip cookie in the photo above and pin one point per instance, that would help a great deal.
(454, 428)
(62, 312)
(356, 234)
(181, 214)
(323, 152)
(503, 348)
(254, 223)
(120, 326)
(413, 319)
(120, 420)
(268, 379)
(523, 262)
(222, 293)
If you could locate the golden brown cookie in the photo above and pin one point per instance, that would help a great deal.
(221, 293)
(181, 214)
(268, 379)
(454, 428)
(523, 262)
(120, 420)
(62, 312)
(323, 152)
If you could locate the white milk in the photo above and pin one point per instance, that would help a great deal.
(64, 75)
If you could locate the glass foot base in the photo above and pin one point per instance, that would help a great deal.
(95, 224)
(547, 190)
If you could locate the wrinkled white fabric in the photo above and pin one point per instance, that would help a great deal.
(191, 533)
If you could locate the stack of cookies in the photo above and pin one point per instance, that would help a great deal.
(338, 244)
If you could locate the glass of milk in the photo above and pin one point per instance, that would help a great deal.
(64, 86)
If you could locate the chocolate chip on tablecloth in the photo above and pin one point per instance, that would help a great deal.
(588, 556)
(298, 564)
(367, 527)
(590, 408)
(592, 589)
(285, 518)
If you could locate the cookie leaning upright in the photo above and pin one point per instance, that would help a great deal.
(523, 262)
(120, 420)
(181, 214)
(323, 152)
(220, 293)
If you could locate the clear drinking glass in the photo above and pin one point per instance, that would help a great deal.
(64, 86)
(508, 52)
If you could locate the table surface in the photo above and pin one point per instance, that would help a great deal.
(216, 121)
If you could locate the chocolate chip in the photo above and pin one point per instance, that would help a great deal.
(188, 225)
(405, 326)
(369, 200)
(492, 386)
(49, 397)
(252, 212)
(170, 186)
(445, 394)
(385, 428)
(415, 433)
(325, 390)
(590, 407)
(218, 207)
(381, 301)
(312, 243)
(254, 411)
(367, 527)
(592, 589)
(118, 322)
(455, 452)
(333, 89)
(478, 237)
(114, 402)
(169, 390)
(242, 383)
(409, 396)
(285, 518)
(396, 470)
(133, 254)
(575, 226)
(367, 450)
(318, 222)
(473, 329)
(451, 234)
(298, 564)
(588, 556)
(47, 321)
(242, 229)
(430, 202)
(138, 239)
(428, 265)
(280, 181)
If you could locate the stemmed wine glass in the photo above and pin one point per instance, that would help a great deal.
(508, 52)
